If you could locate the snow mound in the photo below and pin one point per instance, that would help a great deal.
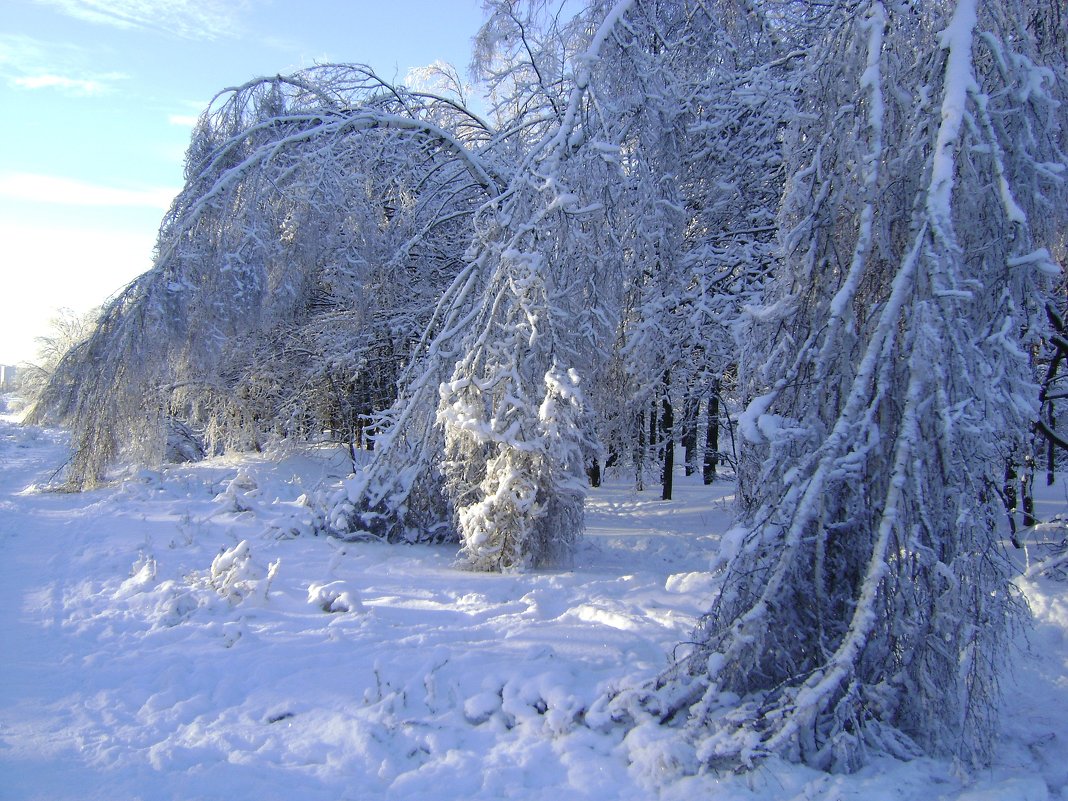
(334, 596)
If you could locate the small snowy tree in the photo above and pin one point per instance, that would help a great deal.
(516, 485)
(527, 510)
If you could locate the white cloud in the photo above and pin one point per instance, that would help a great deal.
(189, 19)
(185, 120)
(78, 86)
(70, 192)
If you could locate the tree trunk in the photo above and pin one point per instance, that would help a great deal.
(1051, 451)
(667, 423)
(712, 436)
(1027, 494)
(594, 472)
(1009, 498)
(654, 430)
(366, 430)
(689, 433)
(639, 453)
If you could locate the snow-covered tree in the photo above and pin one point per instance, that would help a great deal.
(593, 259)
(708, 92)
(468, 446)
(322, 215)
(867, 604)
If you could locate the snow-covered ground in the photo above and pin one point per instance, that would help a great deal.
(182, 635)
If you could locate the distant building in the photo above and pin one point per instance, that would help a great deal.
(7, 377)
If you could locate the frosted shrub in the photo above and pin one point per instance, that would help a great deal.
(235, 577)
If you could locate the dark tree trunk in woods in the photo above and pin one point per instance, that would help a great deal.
(639, 453)
(368, 409)
(1009, 498)
(346, 419)
(712, 436)
(1047, 427)
(689, 433)
(667, 428)
(654, 430)
(1026, 485)
(1051, 451)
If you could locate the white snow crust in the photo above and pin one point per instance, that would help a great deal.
(184, 635)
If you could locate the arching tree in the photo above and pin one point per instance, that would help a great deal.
(322, 215)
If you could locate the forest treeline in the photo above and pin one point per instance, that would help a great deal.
(817, 243)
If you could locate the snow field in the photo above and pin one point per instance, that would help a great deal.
(182, 636)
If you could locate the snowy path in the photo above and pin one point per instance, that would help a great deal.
(170, 638)
(42, 672)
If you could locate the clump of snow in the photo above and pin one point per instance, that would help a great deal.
(658, 755)
(142, 577)
(236, 496)
(334, 596)
(749, 421)
(235, 577)
(691, 583)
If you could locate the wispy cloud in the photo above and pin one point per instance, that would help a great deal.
(37, 188)
(18, 49)
(32, 64)
(78, 86)
(189, 19)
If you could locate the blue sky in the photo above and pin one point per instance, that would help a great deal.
(97, 100)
